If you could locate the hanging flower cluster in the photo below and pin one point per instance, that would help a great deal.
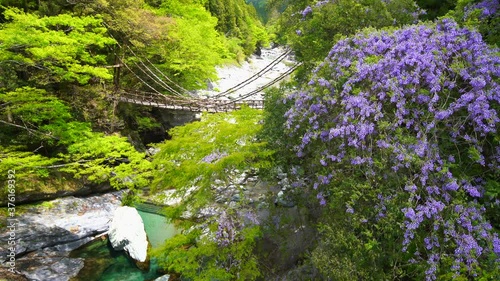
(489, 8)
(214, 157)
(421, 102)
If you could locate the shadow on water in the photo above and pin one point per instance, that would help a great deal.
(103, 263)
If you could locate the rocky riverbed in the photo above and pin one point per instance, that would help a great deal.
(47, 232)
(232, 75)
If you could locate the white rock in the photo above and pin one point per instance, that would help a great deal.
(127, 233)
(163, 278)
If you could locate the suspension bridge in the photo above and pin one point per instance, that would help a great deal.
(165, 93)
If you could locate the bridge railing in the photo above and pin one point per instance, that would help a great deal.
(187, 104)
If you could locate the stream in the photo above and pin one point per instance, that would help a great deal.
(102, 263)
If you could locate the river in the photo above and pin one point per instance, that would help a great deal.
(102, 263)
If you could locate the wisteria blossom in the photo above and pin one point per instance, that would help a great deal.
(488, 8)
(424, 101)
(214, 157)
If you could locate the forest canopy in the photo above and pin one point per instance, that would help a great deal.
(61, 62)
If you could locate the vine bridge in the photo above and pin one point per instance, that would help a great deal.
(178, 98)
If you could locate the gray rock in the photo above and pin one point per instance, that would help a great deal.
(68, 247)
(47, 265)
(153, 151)
(282, 200)
(64, 222)
(236, 197)
(173, 118)
(241, 179)
(252, 179)
(11, 276)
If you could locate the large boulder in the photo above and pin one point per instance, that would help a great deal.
(126, 232)
(64, 223)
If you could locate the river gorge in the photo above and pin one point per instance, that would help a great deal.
(64, 238)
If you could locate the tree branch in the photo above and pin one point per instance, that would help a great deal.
(69, 164)
(28, 129)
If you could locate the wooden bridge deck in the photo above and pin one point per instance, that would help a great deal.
(185, 104)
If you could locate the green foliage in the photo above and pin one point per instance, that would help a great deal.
(313, 34)
(61, 48)
(194, 47)
(26, 164)
(130, 21)
(198, 257)
(146, 123)
(261, 9)
(274, 123)
(198, 154)
(45, 118)
(365, 244)
(108, 158)
(239, 20)
(227, 138)
(488, 26)
(436, 8)
(197, 42)
(32, 118)
(98, 159)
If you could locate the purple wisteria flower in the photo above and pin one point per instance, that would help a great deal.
(226, 230)
(308, 10)
(488, 8)
(394, 102)
(214, 157)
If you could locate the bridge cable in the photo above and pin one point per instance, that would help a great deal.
(163, 85)
(163, 74)
(137, 76)
(260, 89)
(255, 76)
(168, 88)
(159, 80)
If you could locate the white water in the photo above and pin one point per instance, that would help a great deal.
(232, 75)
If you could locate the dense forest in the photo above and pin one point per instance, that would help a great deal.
(61, 61)
(380, 157)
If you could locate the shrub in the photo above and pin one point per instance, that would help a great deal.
(398, 131)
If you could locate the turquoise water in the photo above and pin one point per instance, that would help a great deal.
(157, 228)
(102, 263)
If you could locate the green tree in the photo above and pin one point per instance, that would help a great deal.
(218, 246)
(42, 141)
(312, 30)
(238, 19)
(51, 50)
(436, 8)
